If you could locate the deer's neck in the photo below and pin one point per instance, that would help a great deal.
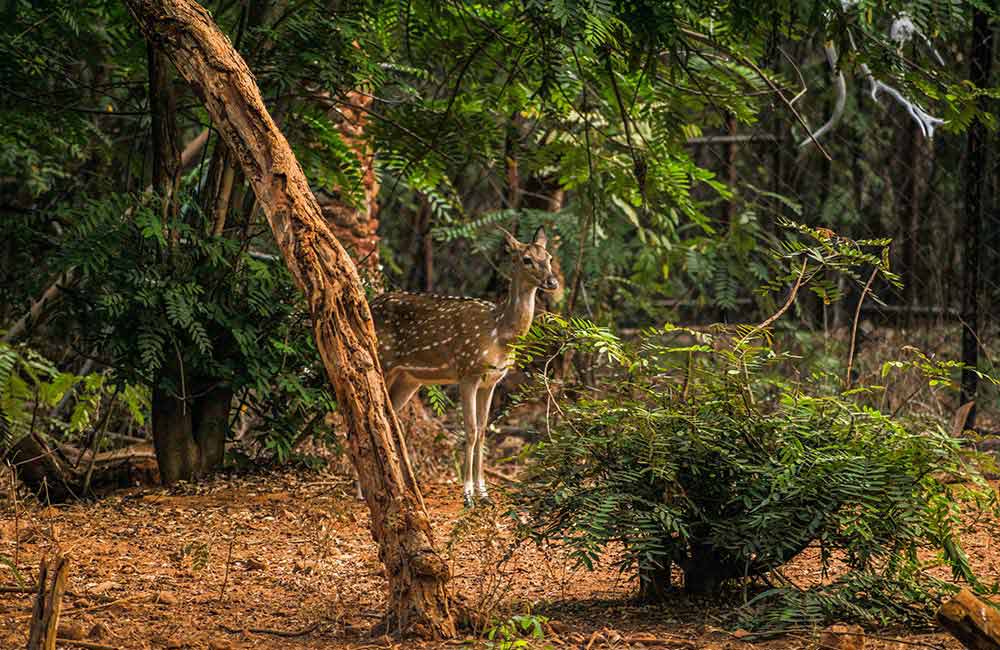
(515, 315)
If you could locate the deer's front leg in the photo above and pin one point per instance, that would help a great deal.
(484, 397)
(469, 389)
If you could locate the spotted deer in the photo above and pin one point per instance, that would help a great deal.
(429, 339)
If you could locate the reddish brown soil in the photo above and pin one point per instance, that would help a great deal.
(203, 566)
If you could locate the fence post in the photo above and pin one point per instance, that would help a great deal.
(975, 179)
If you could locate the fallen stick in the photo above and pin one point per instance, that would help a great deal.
(94, 608)
(89, 645)
(500, 475)
(288, 634)
(112, 603)
(12, 589)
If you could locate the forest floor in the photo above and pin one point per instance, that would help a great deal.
(240, 561)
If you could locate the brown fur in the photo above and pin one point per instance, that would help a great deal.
(429, 339)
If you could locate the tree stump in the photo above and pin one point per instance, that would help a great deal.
(970, 620)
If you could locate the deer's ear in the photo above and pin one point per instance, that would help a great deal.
(540, 238)
(511, 240)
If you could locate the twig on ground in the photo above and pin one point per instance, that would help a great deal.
(77, 610)
(287, 634)
(15, 589)
(918, 644)
(89, 645)
(229, 559)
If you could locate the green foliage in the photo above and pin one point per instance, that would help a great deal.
(31, 386)
(593, 98)
(516, 632)
(209, 308)
(438, 400)
(707, 453)
(724, 464)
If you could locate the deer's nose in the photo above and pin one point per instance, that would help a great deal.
(550, 284)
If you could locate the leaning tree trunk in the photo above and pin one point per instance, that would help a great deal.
(418, 599)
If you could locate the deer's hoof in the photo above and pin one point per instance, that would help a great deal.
(484, 499)
(469, 500)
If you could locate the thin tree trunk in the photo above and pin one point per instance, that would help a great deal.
(422, 245)
(166, 153)
(356, 229)
(975, 176)
(177, 453)
(909, 208)
(428, 249)
(731, 157)
(210, 424)
(220, 208)
(418, 600)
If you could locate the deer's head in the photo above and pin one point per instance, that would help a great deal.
(532, 263)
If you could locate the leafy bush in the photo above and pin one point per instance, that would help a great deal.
(697, 453)
(210, 306)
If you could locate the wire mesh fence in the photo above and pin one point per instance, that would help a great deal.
(936, 197)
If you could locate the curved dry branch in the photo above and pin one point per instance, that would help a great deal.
(840, 84)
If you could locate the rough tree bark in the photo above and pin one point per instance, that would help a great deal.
(975, 623)
(48, 605)
(418, 599)
(166, 153)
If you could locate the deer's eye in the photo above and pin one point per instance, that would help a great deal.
(527, 261)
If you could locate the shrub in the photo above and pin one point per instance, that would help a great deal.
(210, 306)
(700, 453)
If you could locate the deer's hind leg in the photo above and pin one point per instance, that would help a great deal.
(469, 389)
(401, 389)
